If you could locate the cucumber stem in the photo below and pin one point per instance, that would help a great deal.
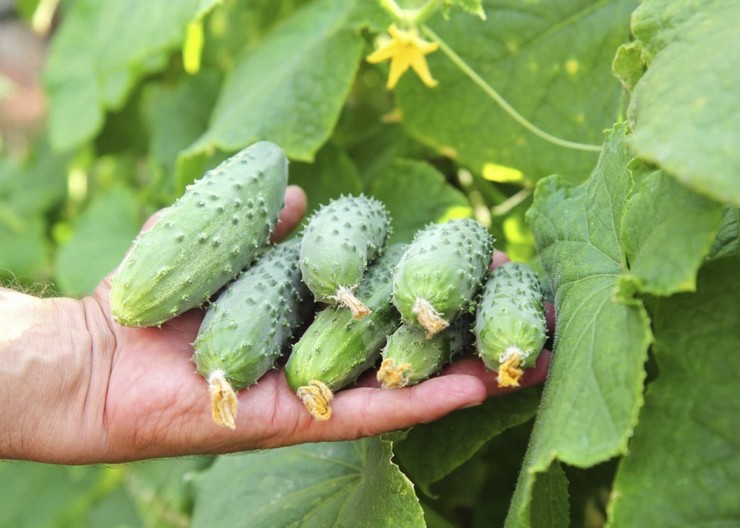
(346, 297)
(223, 400)
(394, 376)
(509, 372)
(428, 317)
(316, 397)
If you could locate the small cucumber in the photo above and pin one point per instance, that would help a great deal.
(440, 273)
(409, 357)
(202, 241)
(510, 326)
(339, 242)
(248, 326)
(337, 348)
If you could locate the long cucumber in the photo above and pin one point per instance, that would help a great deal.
(202, 241)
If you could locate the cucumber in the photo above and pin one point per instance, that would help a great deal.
(510, 327)
(409, 357)
(202, 241)
(336, 348)
(248, 326)
(339, 242)
(440, 273)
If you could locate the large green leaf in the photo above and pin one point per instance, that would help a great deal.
(594, 391)
(100, 52)
(684, 108)
(550, 59)
(683, 466)
(416, 194)
(290, 87)
(103, 233)
(432, 451)
(667, 230)
(311, 485)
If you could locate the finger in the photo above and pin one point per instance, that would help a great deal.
(550, 317)
(474, 367)
(499, 257)
(364, 411)
(292, 213)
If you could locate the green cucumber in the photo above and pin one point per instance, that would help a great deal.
(510, 327)
(202, 241)
(336, 348)
(340, 240)
(440, 273)
(409, 357)
(248, 326)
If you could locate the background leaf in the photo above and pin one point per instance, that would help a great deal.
(594, 390)
(41, 495)
(416, 194)
(177, 115)
(330, 174)
(551, 60)
(327, 484)
(104, 232)
(684, 109)
(432, 451)
(667, 231)
(290, 88)
(93, 68)
(728, 236)
(686, 449)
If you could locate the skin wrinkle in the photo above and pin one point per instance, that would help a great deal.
(102, 338)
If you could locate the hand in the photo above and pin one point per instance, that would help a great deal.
(136, 394)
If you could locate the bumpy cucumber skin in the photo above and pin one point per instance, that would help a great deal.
(445, 265)
(426, 356)
(202, 241)
(249, 325)
(510, 314)
(340, 240)
(336, 349)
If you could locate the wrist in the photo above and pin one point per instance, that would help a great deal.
(45, 366)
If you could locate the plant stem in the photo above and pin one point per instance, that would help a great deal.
(503, 103)
(424, 12)
(392, 7)
(411, 18)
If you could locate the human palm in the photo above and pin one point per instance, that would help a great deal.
(152, 402)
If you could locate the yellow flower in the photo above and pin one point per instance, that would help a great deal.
(405, 49)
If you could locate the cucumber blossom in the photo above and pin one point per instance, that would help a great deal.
(409, 357)
(510, 327)
(440, 273)
(336, 348)
(246, 329)
(339, 242)
(203, 240)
